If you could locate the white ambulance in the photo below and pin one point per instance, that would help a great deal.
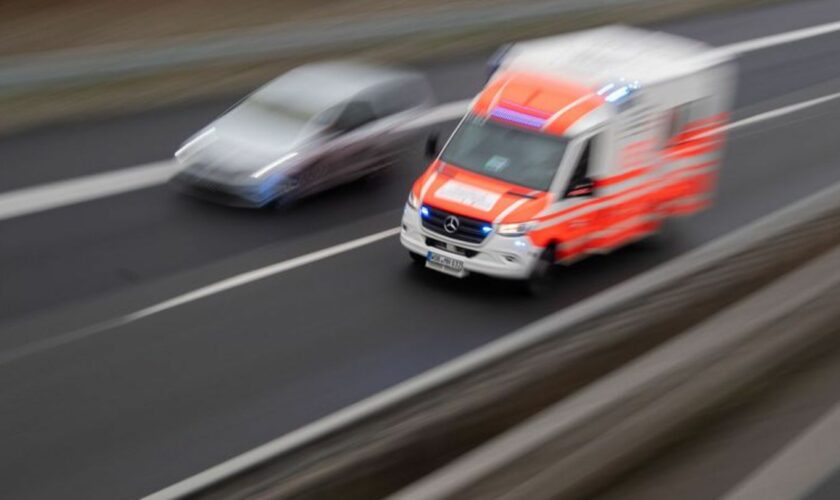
(578, 144)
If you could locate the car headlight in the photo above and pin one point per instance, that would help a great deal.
(189, 147)
(515, 229)
(412, 200)
(286, 185)
(271, 166)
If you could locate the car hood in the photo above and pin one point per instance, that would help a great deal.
(480, 197)
(243, 142)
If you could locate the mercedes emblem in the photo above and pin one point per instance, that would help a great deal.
(450, 224)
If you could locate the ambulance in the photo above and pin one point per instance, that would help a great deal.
(577, 145)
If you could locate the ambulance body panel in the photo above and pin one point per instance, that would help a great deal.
(578, 144)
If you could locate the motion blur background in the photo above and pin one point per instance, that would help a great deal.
(259, 39)
(131, 362)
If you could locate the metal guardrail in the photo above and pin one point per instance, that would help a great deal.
(379, 444)
(84, 65)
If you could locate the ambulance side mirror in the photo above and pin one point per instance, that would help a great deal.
(496, 60)
(581, 189)
(432, 149)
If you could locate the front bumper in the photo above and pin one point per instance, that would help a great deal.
(497, 256)
(221, 192)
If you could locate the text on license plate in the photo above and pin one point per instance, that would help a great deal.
(445, 264)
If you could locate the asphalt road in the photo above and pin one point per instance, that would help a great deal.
(136, 407)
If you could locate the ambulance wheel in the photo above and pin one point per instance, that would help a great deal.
(540, 279)
(417, 259)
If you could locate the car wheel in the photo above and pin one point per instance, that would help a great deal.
(280, 203)
(287, 194)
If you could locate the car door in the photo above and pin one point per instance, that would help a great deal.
(395, 104)
(342, 156)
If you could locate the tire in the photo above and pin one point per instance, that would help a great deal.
(417, 259)
(541, 276)
(281, 203)
(287, 198)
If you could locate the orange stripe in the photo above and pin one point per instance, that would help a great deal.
(624, 192)
(696, 148)
(689, 208)
(647, 143)
(617, 179)
(597, 201)
(563, 122)
(563, 254)
(611, 241)
(543, 93)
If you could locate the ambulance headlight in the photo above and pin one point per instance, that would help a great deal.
(516, 229)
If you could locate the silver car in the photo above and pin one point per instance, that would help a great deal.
(312, 128)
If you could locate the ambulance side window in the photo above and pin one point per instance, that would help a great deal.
(679, 116)
(581, 184)
(683, 115)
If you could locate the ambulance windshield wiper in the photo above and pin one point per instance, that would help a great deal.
(523, 195)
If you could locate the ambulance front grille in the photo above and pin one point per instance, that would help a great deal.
(469, 229)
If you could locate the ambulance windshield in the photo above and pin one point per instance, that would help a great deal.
(504, 152)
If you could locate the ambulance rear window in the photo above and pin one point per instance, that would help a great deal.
(511, 154)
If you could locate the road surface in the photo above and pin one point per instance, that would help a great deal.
(125, 409)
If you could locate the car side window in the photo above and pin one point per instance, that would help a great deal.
(401, 96)
(328, 117)
(581, 184)
(354, 115)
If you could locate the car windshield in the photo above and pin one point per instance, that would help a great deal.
(506, 153)
(285, 111)
(277, 122)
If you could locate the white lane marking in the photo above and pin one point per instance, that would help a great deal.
(785, 110)
(369, 405)
(35, 199)
(251, 276)
(25, 201)
(800, 466)
(440, 374)
(205, 291)
(263, 272)
(287, 265)
(59, 194)
(69, 192)
(294, 438)
(444, 112)
(767, 42)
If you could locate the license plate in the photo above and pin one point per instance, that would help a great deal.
(445, 264)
